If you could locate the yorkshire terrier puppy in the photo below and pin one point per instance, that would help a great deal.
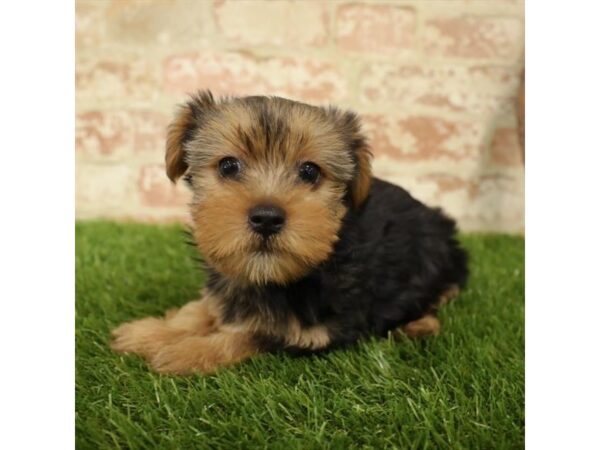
(305, 250)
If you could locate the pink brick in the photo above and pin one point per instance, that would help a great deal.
(144, 22)
(498, 204)
(117, 133)
(156, 190)
(379, 28)
(445, 183)
(101, 134)
(104, 189)
(448, 87)
(500, 76)
(123, 80)
(238, 74)
(474, 37)
(155, 216)
(492, 201)
(423, 138)
(273, 23)
(149, 129)
(505, 149)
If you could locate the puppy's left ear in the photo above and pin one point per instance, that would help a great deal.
(361, 153)
(361, 184)
(182, 129)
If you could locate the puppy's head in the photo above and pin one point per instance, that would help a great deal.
(272, 180)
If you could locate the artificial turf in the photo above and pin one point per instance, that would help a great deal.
(461, 390)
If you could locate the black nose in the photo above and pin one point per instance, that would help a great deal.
(266, 219)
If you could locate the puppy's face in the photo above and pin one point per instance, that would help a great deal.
(272, 180)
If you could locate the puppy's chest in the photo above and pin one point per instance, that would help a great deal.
(271, 309)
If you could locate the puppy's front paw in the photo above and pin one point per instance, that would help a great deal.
(184, 357)
(144, 337)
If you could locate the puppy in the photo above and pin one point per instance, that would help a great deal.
(305, 250)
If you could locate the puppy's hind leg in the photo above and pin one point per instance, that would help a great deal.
(448, 295)
(429, 324)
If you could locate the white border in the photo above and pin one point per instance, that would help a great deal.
(563, 226)
(37, 225)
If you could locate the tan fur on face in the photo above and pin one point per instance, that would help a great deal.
(270, 162)
(297, 133)
(272, 138)
(227, 243)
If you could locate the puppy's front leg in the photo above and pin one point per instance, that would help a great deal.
(205, 354)
(148, 336)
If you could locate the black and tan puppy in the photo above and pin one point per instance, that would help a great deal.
(305, 250)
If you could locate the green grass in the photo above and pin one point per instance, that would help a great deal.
(461, 390)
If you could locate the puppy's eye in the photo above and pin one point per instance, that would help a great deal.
(229, 167)
(309, 172)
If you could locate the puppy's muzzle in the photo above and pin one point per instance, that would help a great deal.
(266, 220)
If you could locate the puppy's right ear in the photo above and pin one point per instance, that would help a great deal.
(182, 129)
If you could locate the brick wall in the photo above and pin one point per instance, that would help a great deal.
(435, 81)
